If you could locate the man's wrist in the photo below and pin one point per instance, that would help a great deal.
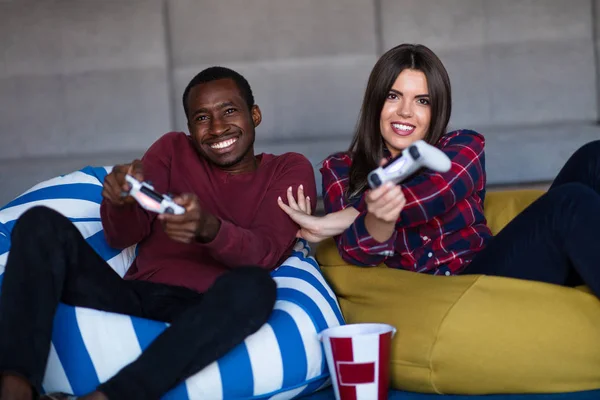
(209, 229)
(120, 207)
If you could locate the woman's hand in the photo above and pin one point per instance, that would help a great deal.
(384, 205)
(300, 212)
(315, 229)
(386, 202)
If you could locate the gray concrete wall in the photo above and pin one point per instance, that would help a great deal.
(95, 82)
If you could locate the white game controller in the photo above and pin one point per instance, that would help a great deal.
(417, 155)
(151, 200)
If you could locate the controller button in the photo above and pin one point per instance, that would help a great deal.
(414, 152)
(375, 180)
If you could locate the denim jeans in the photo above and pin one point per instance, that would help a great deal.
(50, 262)
(557, 238)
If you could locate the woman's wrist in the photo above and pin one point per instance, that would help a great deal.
(379, 230)
(336, 223)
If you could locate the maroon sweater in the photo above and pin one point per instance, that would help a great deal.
(254, 230)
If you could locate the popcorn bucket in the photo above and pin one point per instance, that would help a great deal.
(358, 356)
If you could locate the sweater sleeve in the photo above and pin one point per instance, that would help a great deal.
(355, 245)
(127, 225)
(272, 232)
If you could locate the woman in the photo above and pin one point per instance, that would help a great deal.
(433, 222)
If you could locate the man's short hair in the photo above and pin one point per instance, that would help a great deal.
(216, 73)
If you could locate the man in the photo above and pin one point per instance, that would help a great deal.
(205, 271)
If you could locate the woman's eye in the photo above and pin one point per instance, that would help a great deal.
(425, 102)
(392, 96)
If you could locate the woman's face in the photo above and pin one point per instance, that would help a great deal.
(406, 114)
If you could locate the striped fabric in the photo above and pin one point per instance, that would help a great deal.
(283, 360)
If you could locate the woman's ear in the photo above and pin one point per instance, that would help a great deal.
(256, 115)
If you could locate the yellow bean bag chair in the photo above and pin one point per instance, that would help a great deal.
(476, 334)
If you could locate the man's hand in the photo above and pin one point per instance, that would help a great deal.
(115, 184)
(193, 225)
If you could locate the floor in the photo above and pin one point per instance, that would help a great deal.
(397, 395)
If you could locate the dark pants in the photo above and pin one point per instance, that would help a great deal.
(50, 262)
(557, 238)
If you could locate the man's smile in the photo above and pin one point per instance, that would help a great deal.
(223, 144)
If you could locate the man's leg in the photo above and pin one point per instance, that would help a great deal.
(554, 240)
(50, 262)
(237, 305)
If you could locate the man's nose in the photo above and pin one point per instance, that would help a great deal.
(218, 127)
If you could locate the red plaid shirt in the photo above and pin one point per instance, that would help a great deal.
(442, 226)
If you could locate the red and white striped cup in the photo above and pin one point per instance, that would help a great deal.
(358, 356)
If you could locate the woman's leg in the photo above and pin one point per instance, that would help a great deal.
(582, 167)
(554, 240)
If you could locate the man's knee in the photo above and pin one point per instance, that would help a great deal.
(39, 220)
(251, 290)
(255, 276)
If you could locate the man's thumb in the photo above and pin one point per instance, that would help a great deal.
(136, 170)
(184, 199)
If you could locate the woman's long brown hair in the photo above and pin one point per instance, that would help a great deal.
(367, 147)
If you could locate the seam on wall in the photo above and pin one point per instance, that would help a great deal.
(435, 341)
(378, 27)
(169, 65)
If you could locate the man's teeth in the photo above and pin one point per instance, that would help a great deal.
(223, 144)
(403, 127)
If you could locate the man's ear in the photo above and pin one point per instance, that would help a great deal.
(256, 115)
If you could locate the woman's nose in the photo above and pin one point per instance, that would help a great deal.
(405, 110)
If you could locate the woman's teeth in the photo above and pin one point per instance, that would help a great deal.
(223, 144)
(403, 127)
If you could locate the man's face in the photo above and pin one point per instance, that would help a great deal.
(221, 125)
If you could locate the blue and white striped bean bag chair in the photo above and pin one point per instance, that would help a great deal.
(283, 360)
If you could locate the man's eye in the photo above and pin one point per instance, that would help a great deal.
(201, 118)
(230, 110)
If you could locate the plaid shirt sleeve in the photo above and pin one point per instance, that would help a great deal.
(431, 194)
(356, 246)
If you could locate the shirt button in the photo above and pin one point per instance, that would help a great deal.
(425, 238)
(447, 273)
(430, 254)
